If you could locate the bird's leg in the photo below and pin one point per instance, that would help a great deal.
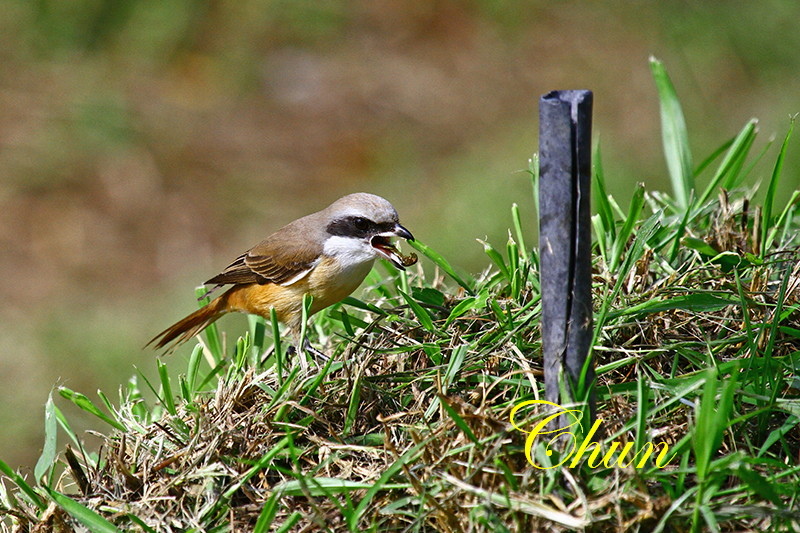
(318, 355)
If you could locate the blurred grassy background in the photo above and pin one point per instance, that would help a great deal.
(144, 144)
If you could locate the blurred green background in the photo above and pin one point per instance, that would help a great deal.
(145, 143)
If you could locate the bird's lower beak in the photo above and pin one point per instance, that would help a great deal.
(384, 246)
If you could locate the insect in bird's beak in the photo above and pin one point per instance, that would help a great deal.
(384, 246)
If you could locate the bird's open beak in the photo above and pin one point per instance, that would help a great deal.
(383, 245)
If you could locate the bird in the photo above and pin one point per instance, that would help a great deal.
(326, 255)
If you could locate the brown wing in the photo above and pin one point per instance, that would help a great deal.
(283, 257)
(276, 271)
(237, 273)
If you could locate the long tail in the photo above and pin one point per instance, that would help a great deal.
(188, 327)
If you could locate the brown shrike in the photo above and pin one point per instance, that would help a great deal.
(326, 254)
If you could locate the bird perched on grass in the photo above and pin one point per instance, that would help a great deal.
(326, 255)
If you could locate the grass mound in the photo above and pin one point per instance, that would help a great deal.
(409, 426)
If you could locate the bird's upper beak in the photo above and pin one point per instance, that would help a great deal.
(384, 246)
(400, 231)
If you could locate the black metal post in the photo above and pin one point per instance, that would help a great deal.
(565, 129)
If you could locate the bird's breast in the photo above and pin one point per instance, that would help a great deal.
(333, 280)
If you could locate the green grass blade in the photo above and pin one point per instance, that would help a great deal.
(319, 486)
(533, 172)
(379, 282)
(697, 302)
(402, 281)
(466, 305)
(756, 160)
(139, 522)
(600, 237)
(258, 329)
(364, 306)
(186, 393)
(700, 245)
(106, 401)
(352, 406)
(308, 299)
(677, 234)
(496, 258)
(166, 388)
(442, 263)
(759, 485)
(783, 222)
(601, 199)
(517, 222)
(642, 402)
(674, 136)
(645, 232)
(64, 423)
(780, 302)
(621, 242)
(454, 365)
(281, 394)
(268, 513)
(769, 199)
(733, 160)
(87, 405)
(217, 370)
(712, 419)
(133, 397)
(711, 524)
(422, 315)
(241, 353)
(427, 295)
(349, 322)
(705, 432)
(735, 176)
(23, 485)
(311, 389)
(705, 163)
(456, 418)
(194, 366)
(276, 339)
(290, 522)
(517, 274)
(48, 457)
(213, 338)
(87, 517)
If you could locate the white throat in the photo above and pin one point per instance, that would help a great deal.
(349, 251)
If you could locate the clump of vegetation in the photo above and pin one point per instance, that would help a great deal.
(407, 427)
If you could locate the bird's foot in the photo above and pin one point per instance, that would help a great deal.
(310, 350)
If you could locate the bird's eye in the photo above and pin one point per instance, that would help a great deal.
(361, 223)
